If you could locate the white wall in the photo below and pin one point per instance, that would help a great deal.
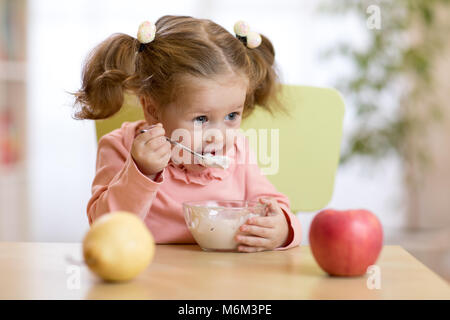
(62, 151)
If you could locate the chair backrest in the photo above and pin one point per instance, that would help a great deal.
(130, 111)
(309, 144)
(298, 151)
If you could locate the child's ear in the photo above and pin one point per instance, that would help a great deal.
(151, 110)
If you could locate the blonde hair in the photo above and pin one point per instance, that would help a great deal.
(182, 46)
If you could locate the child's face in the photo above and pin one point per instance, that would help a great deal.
(208, 115)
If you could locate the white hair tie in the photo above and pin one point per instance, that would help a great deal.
(146, 33)
(249, 38)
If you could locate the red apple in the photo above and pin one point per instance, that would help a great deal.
(345, 243)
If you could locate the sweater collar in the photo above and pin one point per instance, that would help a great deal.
(205, 176)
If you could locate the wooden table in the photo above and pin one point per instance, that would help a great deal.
(51, 271)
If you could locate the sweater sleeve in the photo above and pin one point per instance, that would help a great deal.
(258, 186)
(118, 184)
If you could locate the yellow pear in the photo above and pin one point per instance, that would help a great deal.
(118, 246)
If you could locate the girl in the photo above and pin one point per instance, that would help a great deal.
(190, 74)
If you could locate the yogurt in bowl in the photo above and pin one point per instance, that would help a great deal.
(215, 223)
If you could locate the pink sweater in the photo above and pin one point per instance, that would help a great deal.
(119, 185)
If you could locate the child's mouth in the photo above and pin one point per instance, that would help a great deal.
(211, 160)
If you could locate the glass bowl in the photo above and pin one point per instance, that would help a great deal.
(215, 223)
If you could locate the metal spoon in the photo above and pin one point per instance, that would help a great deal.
(208, 161)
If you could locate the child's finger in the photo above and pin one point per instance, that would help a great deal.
(257, 231)
(248, 249)
(266, 222)
(273, 208)
(146, 128)
(163, 150)
(268, 201)
(253, 241)
(155, 143)
(166, 157)
(156, 131)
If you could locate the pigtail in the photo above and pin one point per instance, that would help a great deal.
(264, 78)
(104, 78)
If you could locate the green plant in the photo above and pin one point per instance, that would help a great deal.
(393, 72)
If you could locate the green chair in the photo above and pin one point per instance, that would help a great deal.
(305, 143)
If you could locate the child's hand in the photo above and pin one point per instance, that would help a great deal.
(151, 151)
(264, 233)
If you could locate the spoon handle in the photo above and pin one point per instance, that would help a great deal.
(181, 146)
(185, 148)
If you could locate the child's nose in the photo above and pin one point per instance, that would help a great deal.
(216, 137)
(211, 139)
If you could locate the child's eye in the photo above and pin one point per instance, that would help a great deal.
(201, 119)
(232, 116)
